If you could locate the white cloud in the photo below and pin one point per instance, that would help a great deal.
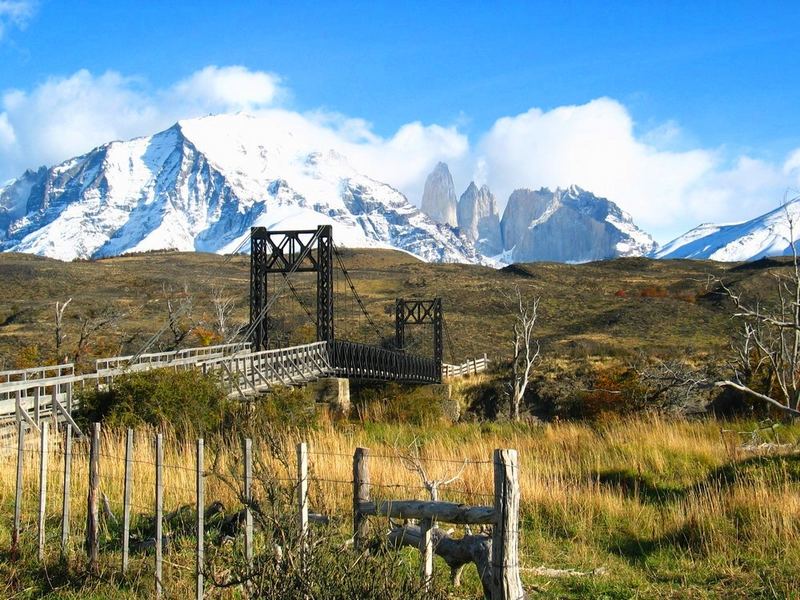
(67, 116)
(223, 89)
(15, 13)
(595, 146)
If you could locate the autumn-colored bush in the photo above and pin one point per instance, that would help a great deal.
(621, 294)
(653, 292)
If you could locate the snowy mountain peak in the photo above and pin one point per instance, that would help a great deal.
(200, 185)
(770, 234)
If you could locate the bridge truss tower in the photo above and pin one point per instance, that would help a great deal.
(420, 312)
(287, 252)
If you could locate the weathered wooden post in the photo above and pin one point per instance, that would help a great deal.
(65, 500)
(126, 499)
(18, 492)
(93, 501)
(201, 531)
(426, 549)
(360, 494)
(302, 488)
(248, 499)
(506, 582)
(44, 436)
(159, 512)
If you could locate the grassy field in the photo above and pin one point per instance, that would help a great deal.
(608, 309)
(666, 509)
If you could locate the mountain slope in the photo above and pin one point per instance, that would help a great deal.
(200, 185)
(766, 235)
(570, 225)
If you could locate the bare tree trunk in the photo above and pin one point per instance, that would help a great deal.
(527, 350)
(60, 308)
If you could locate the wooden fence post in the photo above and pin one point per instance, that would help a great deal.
(44, 436)
(426, 548)
(126, 499)
(93, 501)
(506, 582)
(65, 501)
(18, 493)
(302, 488)
(159, 511)
(248, 498)
(360, 494)
(200, 564)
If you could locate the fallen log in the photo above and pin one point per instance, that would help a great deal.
(449, 512)
(456, 552)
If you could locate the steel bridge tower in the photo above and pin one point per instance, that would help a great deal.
(287, 252)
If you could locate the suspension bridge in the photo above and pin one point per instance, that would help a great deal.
(246, 364)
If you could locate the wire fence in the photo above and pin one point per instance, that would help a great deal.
(86, 493)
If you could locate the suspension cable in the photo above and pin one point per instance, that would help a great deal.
(184, 307)
(355, 293)
(301, 257)
(449, 339)
(297, 297)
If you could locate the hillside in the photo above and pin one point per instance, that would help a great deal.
(616, 308)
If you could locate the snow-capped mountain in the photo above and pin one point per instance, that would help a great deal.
(200, 185)
(569, 225)
(767, 235)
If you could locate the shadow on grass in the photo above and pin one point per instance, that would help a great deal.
(642, 488)
(637, 549)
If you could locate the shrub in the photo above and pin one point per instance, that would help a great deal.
(653, 292)
(184, 399)
(621, 294)
(287, 406)
(399, 404)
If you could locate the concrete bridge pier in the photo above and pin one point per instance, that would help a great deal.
(334, 391)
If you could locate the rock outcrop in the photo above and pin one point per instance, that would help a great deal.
(570, 225)
(439, 196)
(479, 221)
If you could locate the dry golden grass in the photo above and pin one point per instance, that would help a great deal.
(664, 505)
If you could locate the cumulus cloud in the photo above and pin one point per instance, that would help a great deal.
(15, 13)
(596, 146)
(66, 116)
(215, 89)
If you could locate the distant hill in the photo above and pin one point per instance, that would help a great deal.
(617, 308)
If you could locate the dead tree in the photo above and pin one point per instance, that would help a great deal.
(527, 350)
(179, 314)
(767, 355)
(223, 307)
(60, 336)
(413, 462)
(91, 325)
(456, 553)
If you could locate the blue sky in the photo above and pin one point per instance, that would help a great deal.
(710, 89)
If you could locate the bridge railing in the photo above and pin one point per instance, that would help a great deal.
(107, 368)
(470, 367)
(351, 359)
(252, 372)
